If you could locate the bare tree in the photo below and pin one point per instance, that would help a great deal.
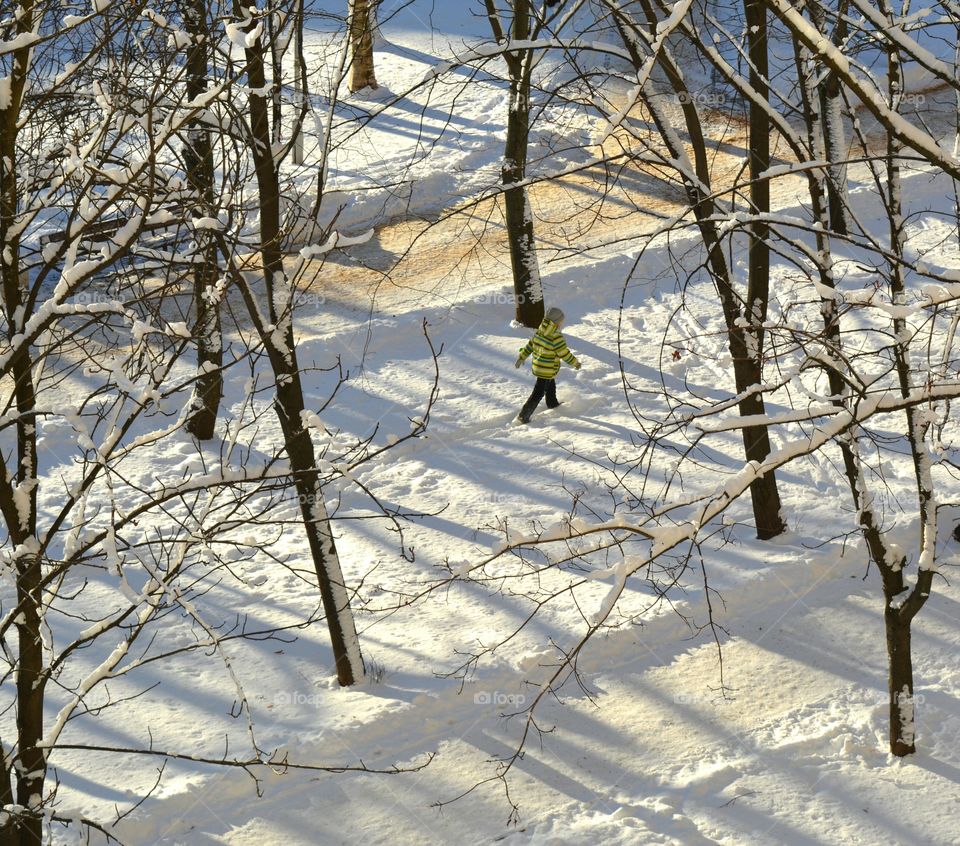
(766, 497)
(199, 167)
(902, 601)
(528, 291)
(361, 23)
(830, 114)
(744, 314)
(275, 328)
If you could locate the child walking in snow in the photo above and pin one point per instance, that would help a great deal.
(549, 349)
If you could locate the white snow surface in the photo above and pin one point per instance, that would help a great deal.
(792, 751)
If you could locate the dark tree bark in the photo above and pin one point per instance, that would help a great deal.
(20, 512)
(830, 99)
(299, 81)
(198, 161)
(746, 365)
(765, 495)
(278, 340)
(527, 287)
(901, 603)
(898, 619)
(360, 24)
(900, 687)
(7, 831)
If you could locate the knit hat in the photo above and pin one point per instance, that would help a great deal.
(554, 314)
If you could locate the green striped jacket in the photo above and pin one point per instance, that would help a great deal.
(549, 349)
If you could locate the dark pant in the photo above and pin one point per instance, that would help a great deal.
(543, 386)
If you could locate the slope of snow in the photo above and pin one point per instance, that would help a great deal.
(791, 750)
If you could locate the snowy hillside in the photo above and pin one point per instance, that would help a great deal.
(789, 750)
(737, 692)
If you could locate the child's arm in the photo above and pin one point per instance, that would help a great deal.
(565, 355)
(524, 352)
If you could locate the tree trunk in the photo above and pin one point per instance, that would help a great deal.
(902, 731)
(198, 161)
(764, 494)
(527, 287)
(274, 19)
(20, 512)
(299, 81)
(900, 684)
(7, 828)
(829, 94)
(900, 671)
(833, 342)
(697, 187)
(360, 25)
(289, 404)
(30, 764)
(836, 152)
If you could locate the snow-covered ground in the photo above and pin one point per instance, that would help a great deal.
(790, 751)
